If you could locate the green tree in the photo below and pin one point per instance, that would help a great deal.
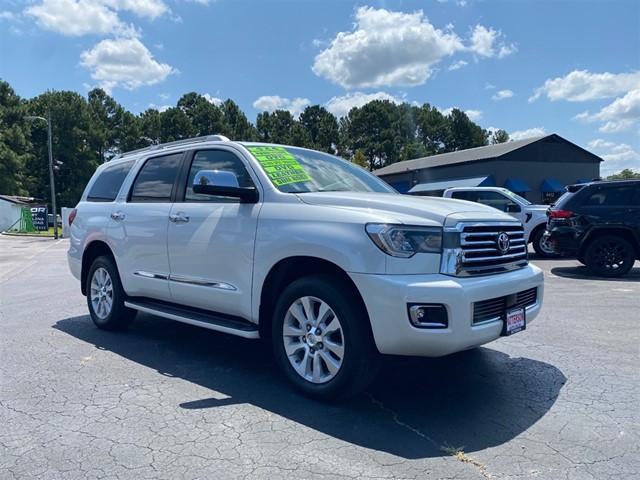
(370, 129)
(405, 130)
(128, 134)
(276, 127)
(70, 124)
(431, 129)
(105, 117)
(626, 174)
(462, 133)
(175, 125)
(205, 117)
(150, 126)
(322, 128)
(236, 123)
(15, 146)
(360, 159)
(499, 136)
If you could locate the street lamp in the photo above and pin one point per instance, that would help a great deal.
(53, 187)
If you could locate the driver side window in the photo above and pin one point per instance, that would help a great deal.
(221, 160)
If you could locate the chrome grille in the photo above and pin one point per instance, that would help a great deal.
(474, 249)
(495, 308)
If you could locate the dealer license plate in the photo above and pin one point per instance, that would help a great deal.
(515, 322)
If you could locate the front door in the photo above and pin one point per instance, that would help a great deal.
(211, 241)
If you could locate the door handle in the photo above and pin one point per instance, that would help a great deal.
(117, 215)
(180, 217)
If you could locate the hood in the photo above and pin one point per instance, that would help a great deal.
(398, 208)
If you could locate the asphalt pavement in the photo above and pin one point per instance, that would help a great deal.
(165, 400)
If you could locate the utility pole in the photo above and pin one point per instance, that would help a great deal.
(51, 179)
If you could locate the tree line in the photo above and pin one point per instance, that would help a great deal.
(89, 131)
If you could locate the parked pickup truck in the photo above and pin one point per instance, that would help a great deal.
(310, 251)
(532, 216)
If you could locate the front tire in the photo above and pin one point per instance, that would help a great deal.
(610, 256)
(542, 246)
(322, 339)
(105, 296)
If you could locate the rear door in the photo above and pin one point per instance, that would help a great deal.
(211, 239)
(138, 228)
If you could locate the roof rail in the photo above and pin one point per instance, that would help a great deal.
(185, 141)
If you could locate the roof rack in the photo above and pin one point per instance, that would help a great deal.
(186, 141)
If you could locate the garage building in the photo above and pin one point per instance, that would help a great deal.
(536, 168)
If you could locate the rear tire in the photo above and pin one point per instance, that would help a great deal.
(322, 339)
(610, 256)
(105, 296)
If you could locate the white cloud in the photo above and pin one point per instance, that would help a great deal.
(623, 114)
(74, 18)
(160, 108)
(502, 95)
(474, 115)
(210, 99)
(457, 65)
(490, 43)
(124, 62)
(270, 103)
(599, 143)
(340, 106)
(7, 16)
(143, 8)
(530, 133)
(385, 48)
(581, 86)
(616, 157)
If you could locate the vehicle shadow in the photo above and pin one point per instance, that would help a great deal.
(583, 273)
(416, 408)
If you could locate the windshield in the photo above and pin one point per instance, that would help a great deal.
(298, 170)
(522, 199)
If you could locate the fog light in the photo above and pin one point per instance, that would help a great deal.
(428, 316)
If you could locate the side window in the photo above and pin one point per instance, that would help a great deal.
(635, 200)
(614, 196)
(156, 178)
(462, 195)
(107, 185)
(216, 160)
(494, 199)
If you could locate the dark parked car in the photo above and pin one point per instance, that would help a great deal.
(599, 224)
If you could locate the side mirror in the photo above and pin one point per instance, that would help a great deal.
(513, 208)
(223, 183)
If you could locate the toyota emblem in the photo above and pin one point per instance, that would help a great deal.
(503, 243)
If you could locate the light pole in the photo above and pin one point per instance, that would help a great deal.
(53, 187)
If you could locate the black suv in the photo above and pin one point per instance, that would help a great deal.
(599, 224)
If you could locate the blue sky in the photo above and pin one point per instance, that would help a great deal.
(570, 67)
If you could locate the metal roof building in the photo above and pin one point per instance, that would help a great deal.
(537, 168)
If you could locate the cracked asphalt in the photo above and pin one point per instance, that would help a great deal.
(165, 400)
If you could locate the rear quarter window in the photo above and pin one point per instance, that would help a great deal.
(608, 196)
(108, 183)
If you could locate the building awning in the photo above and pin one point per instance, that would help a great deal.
(517, 185)
(551, 185)
(486, 181)
(401, 187)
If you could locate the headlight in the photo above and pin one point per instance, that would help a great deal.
(405, 240)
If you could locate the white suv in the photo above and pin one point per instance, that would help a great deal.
(301, 247)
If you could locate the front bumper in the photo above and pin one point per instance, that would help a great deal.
(387, 297)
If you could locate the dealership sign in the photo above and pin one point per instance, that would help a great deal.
(39, 217)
